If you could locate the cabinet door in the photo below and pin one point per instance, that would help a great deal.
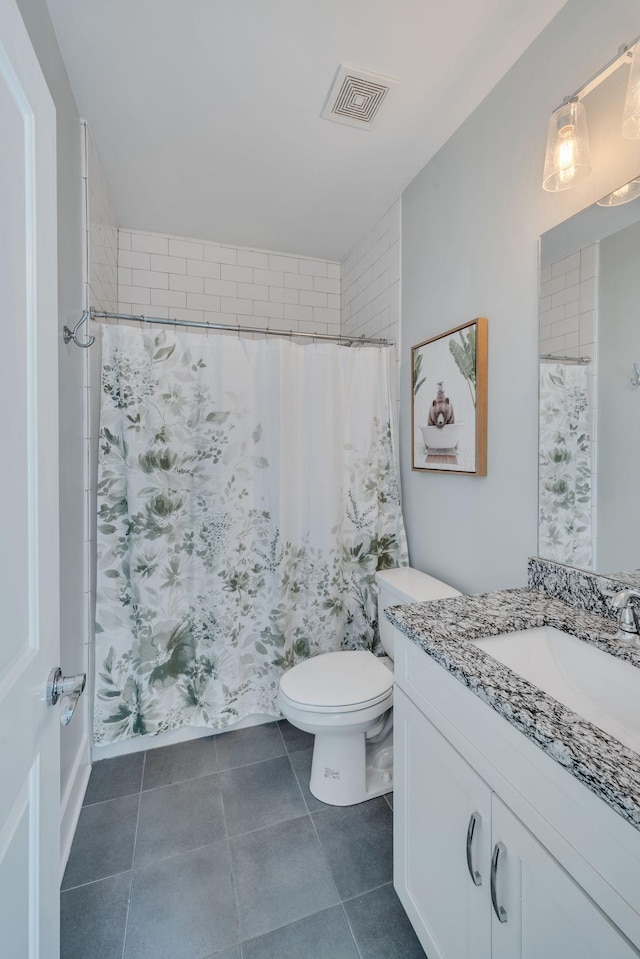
(435, 796)
(546, 913)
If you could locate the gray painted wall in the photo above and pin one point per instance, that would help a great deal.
(470, 226)
(71, 367)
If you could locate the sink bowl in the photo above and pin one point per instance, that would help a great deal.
(597, 686)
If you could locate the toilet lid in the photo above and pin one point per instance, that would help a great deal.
(344, 680)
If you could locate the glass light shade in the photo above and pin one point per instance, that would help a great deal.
(631, 112)
(624, 194)
(567, 159)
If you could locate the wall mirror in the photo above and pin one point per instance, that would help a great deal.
(589, 433)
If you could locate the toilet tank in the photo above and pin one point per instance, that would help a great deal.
(405, 585)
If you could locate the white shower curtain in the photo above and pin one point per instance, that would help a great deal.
(565, 467)
(247, 493)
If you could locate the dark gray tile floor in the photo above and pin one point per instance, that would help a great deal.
(216, 849)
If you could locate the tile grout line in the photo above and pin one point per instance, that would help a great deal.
(93, 882)
(346, 919)
(340, 903)
(295, 776)
(367, 892)
(133, 857)
(101, 802)
(231, 875)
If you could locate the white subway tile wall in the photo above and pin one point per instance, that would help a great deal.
(569, 327)
(371, 281)
(210, 282)
(568, 304)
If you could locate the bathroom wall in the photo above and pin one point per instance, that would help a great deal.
(470, 226)
(204, 281)
(371, 280)
(74, 770)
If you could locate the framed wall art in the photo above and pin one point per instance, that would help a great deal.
(449, 401)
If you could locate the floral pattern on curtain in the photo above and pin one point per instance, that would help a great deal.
(565, 467)
(247, 494)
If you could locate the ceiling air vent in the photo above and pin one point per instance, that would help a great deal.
(356, 97)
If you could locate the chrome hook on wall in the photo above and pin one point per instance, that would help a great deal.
(68, 335)
(635, 380)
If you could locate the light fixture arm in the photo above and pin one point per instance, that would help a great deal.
(624, 54)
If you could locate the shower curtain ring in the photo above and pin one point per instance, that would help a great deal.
(69, 335)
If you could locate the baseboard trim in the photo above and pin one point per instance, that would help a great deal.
(72, 800)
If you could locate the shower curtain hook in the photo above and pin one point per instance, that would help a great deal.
(69, 335)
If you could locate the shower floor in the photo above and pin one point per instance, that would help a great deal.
(216, 848)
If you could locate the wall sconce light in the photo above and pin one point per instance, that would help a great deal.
(567, 159)
(624, 194)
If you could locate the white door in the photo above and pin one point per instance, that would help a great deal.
(442, 839)
(29, 566)
(544, 912)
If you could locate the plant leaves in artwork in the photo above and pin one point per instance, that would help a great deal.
(464, 353)
(417, 369)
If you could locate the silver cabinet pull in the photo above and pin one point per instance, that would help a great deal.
(68, 689)
(498, 850)
(475, 820)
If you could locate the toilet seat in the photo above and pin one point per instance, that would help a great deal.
(341, 682)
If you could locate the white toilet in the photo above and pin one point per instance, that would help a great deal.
(345, 700)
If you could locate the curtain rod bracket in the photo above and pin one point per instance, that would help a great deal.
(69, 335)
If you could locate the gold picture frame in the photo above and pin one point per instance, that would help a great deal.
(449, 401)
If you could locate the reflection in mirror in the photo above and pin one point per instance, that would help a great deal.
(589, 438)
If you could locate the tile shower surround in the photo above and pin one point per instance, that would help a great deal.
(207, 282)
(371, 280)
(216, 848)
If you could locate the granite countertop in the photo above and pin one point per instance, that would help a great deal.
(443, 629)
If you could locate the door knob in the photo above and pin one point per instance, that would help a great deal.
(66, 688)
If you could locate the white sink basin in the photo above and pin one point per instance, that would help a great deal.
(600, 688)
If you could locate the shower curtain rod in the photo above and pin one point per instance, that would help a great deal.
(569, 360)
(164, 321)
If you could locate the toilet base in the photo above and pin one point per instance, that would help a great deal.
(346, 770)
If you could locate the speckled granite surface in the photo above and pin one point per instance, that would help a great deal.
(443, 629)
(589, 591)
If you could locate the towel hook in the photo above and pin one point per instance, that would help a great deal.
(635, 380)
(69, 335)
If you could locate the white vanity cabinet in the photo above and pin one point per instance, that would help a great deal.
(546, 913)
(436, 794)
(455, 825)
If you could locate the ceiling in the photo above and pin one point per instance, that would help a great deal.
(206, 114)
